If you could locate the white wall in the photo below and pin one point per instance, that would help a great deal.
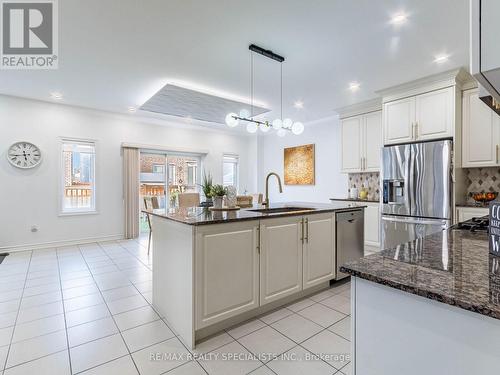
(30, 197)
(330, 183)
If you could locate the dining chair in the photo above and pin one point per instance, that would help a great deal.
(189, 199)
(149, 206)
(155, 203)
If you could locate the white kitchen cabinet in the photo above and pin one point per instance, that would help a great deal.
(480, 132)
(361, 142)
(399, 120)
(372, 141)
(422, 117)
(280, 258)
(467, 213)
(227, 270)
(318, 249)
(372, 225)
(351, 144)
(434, 114)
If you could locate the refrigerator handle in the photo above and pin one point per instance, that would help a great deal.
(407, 180)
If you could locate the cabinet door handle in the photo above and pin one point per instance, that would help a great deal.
(497, 154)
(258, 239)
(413, 130)
(302, 231)
(307, 230)
(416, 130)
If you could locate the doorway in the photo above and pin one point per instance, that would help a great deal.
(163, 176)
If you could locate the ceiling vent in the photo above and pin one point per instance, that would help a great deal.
(178, 101)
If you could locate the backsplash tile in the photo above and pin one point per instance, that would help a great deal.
(371, 179)
(482, 180)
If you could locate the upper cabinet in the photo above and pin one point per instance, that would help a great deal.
(426, 109)
(399, 120)
(361, 142)
(480, 132)
(421, 117)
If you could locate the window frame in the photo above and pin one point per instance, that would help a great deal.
(162, 167)
(84, 211)
(236, 161)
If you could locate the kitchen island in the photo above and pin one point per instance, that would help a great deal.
(429, 306)
(212, 270)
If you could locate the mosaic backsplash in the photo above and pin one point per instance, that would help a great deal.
(482, 180)
(369, 179)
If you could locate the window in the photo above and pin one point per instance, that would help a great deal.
(172, 174)
(78, 177)
(158, 168)
(192, 171)
(230, 170)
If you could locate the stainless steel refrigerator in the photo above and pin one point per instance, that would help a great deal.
(416, 190)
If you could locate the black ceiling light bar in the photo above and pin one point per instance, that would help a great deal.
(266, 52)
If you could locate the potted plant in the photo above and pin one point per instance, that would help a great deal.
(217, 192)
(206, 187)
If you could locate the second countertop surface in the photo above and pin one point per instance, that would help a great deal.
(355, 200)
(204, 216)
(453, 267)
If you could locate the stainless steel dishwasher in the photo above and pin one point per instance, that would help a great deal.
(349, 229)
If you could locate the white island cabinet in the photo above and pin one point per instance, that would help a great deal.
(210, 276)
(227, 263)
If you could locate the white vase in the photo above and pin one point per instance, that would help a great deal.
(217, 202)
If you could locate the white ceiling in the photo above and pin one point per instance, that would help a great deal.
(117, 53)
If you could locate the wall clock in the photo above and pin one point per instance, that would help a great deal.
(24, 155)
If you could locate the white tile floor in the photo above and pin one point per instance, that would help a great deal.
(87, 310)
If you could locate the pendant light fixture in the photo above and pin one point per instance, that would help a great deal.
(282, 126)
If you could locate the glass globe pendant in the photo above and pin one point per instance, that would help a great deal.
(297, 128)
(252, 127)
(231, 121)
(287, 123)
(277, 124)
(281, 132)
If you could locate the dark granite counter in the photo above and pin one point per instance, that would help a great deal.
(355, 200)
(453, 267)
(203, 216)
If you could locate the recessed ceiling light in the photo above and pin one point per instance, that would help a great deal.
(132, 109)
(298, 104)
(439, 59)
(399, 18)
(56, 95)
(353, 86)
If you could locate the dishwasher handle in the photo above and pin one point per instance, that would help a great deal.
(349, 216)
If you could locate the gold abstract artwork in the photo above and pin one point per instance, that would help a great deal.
(299, 165)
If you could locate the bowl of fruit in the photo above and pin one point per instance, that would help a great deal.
(484, 198)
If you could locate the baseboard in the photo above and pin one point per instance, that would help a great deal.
(61, 243)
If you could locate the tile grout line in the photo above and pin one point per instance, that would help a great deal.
(111, 314)
(64, 315)
(17, 315)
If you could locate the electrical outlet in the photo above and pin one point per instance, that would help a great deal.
(34, 228)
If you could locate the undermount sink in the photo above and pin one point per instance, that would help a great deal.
(279, 210)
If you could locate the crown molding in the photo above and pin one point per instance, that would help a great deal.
(372, 105)
(455, 77)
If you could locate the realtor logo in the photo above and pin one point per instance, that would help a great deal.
(29, 34)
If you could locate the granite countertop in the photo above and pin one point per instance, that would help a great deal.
(203, 216)
(355, 200)
(453, 267)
